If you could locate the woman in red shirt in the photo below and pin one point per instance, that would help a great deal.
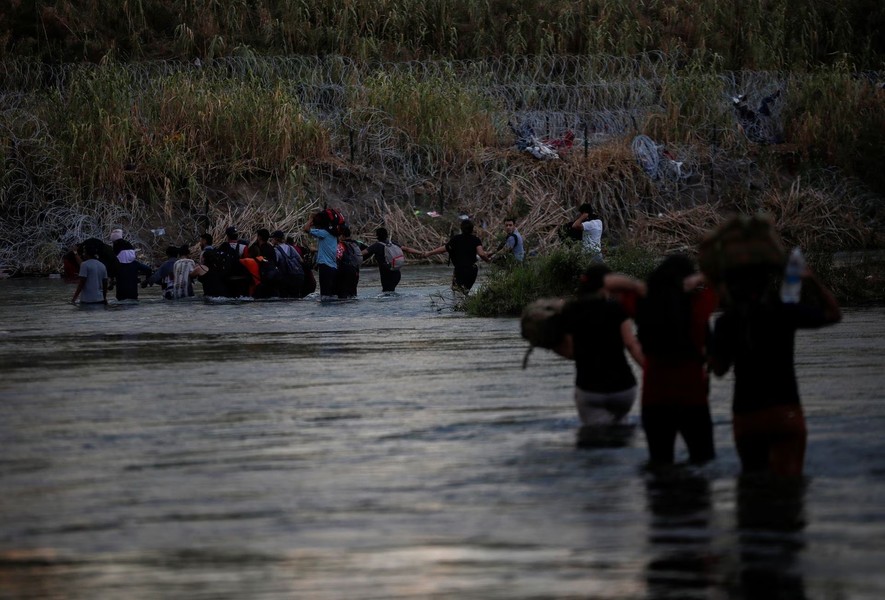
(673, 321)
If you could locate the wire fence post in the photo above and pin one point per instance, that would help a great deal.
(586, 142)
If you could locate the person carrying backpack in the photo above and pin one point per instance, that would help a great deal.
(390, 257)
(226, 275)
(290, 267)
(327, 253)
(349, 261)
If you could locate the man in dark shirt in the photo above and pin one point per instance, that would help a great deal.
(463, 249)
(389, 277)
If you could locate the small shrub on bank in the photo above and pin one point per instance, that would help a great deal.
(510, 287)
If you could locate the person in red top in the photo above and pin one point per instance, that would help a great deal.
(673, 328)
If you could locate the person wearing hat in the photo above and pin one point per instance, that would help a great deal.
(125, 279)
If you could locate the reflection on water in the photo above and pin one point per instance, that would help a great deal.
(771, 521)
(385, 449)
(683, 561)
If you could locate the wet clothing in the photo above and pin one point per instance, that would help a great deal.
(327, 261)
(128, 269)
(94, 272)
(182, 287)
(769, 426)
(327, 248)
(604, 409)
(662, 423)
(165, 276)
(292, 269)
(390, 278)
(760, 344)
(675, 381)
(462, 253)
(600, 363)
(126, 281)
(773, 438)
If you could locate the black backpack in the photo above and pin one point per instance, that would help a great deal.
(225, 260)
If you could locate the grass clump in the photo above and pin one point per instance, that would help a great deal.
(511, 286)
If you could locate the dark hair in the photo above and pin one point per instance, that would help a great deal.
(290, 240)
(593, 279)
(91, 248)
(321, 220)
(184, 250)
(664, 315)
(172, 251)
(509, 219)
(345, 231)
(381, 234)
(262, 234)
(466, 226)
(206, 237)
(588, 208)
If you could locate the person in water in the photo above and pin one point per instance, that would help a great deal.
(165, 275)
(327, 253)
(756, 335)
(290, 265)
(463, 249)
(125, 280)
(597, 332)
(390, 277)
(672, 319)
(93, 285)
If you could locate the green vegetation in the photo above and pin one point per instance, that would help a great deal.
(189, 117)
(511, 286)
(779, 34)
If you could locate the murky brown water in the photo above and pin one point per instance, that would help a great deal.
(383, 449)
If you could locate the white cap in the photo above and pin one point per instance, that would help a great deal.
(116, 234)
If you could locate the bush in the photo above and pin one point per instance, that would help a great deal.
(510, 287)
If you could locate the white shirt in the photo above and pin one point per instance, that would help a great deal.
(592, 238)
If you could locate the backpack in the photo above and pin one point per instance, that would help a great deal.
(393, 256)
(352, 257)
(225, 260)
(288, 261)
(329, 220)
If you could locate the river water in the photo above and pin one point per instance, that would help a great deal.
(390, 448)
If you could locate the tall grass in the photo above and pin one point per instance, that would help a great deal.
(439, 114)
(755, 35)
(390, 139)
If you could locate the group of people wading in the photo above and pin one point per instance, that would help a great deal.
(673, 343)
(273, 264)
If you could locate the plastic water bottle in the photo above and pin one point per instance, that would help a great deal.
(791, 288)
